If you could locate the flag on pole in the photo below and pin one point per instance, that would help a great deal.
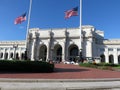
(71, 12)
(20, 19)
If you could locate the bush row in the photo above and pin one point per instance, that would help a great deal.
(26, 66)
(98, 64)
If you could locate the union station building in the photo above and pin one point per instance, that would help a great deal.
(63, 44)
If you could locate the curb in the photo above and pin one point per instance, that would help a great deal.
(60, 84)
(58, 80)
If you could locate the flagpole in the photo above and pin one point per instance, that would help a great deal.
(29, 14)
(80, 28)
(28, 24)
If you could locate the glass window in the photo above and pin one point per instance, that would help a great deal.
(118, 49)
(17, 48)
(11, 48)
(1, 48)
(110, 49)
(22, 48)
(102, 49)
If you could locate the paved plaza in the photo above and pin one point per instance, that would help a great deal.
(66, 71)
(65, 77)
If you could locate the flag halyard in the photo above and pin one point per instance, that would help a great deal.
(71, 12)
(20, 19)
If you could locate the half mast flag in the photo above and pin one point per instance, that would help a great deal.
(71, 12)
(20, 19)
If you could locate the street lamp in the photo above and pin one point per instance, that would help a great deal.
(81, 55)
(52, 53)
(15, 47)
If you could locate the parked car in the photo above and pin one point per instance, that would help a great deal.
(66, 62)
(69, 62)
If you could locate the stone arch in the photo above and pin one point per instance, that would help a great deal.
(119, 59)
(111, 59)
(57, 54)
(43, 52)
(102, 56)
(73, 52)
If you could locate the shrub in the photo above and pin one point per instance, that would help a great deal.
(105, 66)
(88, 65)
(26, 66)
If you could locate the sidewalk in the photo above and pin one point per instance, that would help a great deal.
(59, 84)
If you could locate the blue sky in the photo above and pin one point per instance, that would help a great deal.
(102, 14)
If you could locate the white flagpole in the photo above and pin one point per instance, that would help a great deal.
(28, 24)
(80, 27)
(29, 14)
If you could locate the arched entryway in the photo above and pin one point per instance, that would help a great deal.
(102, 58)
(6, 55)
(42, 53)
(73, 52)
(119, 59)
(17, 56)
(111, 59)
(11, 55)
(57, 54)
(22, 56)
(1, 55)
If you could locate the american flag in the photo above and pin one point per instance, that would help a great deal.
(20, 19)
(71, 12)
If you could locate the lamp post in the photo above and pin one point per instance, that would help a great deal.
(52, 53)
(15, 47)
(81, 55)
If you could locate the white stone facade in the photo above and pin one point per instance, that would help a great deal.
(12, 50)
(64, 44)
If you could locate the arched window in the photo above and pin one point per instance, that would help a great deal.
(73, 52)
(102, 58)
(1, 55)
(111, 59)
(6, 55)
(57, 54)
(43, 52)
(22, 56)
(11, 55)
(17, 56)
(119, 59)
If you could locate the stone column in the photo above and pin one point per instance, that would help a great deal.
(63, 51)
(48, 51)
(115, 56)
(89, 49)
(4, 53)
(33, 50)
(106, 55)
(9, 53)
(20, 53)
(37, 52)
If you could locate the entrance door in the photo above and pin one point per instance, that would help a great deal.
(73, 52)
(43, 53)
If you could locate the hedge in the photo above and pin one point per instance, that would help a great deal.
(25, 66)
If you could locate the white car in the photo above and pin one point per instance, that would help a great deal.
(72, 62)
(69, 62)
(66, 62)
